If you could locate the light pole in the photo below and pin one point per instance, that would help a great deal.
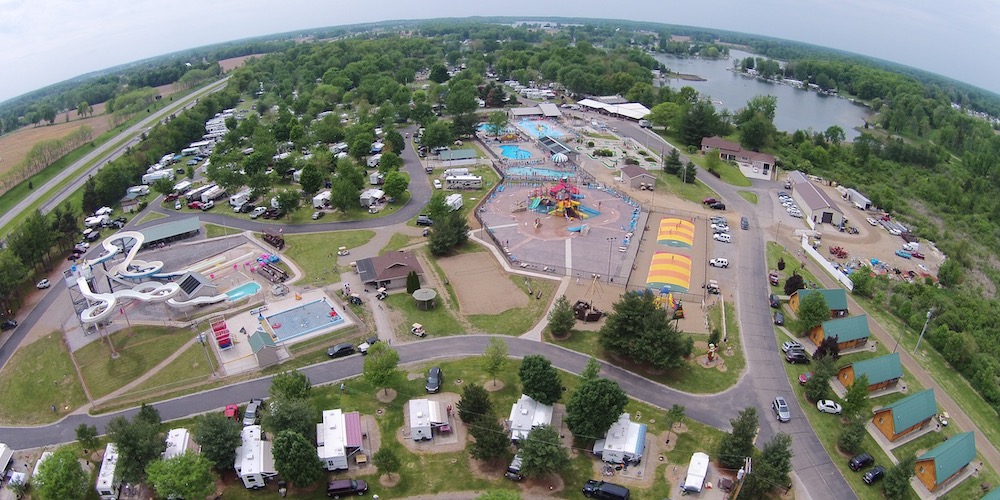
(611, 244)
(922, 332)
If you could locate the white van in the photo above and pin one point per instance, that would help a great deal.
(723, 237)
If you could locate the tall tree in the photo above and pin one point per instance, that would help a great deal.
(737, 444)
(438, 134)
(542, 453)
(897, 479)
(60, 477)
(87, 436)
(856, 398)
(675, 415)
(818, 386)
(828, 348)
(593, 407)
(698, 121)
(497, 123)
(295, 415)
(813, 311)
(540, 380)
(852, 435)
(771, 468)
(291, 384)
(592, 370)
(395, 184)
(288, 201)
(639, 329)
(386, 460)
(561, 318)
(218, 437)
(390, 162)
(12, 275)
(450, 232)
(186, 476)
(343, 195)
(475, 404)
(138, 442)
(461, 97)
(495, 357)
(311, 179)
(492, 442)
(295, 459)
(438, 73)
(381, 365)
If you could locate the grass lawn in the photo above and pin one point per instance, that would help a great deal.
(215, 230)
(151, 216)
(190, 367)
(399, 241)
(38, 375)
(749, 196)
(695, 192)
(438, 322)
(518, 320)
(307, 250)
(140, 348)
(775, 252)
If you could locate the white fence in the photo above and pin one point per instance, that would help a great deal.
(832, 271)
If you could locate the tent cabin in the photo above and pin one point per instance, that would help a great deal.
(624, 442)
(108, 482)
(179, 441)
(338, 437)
(883, 372)
(254, 463)
(525, 415)
(906, 415)
(946, 460)
(697, 472)
(425, 415)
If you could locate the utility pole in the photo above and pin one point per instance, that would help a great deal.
(611, 242)
(922, 332)
(741, 477)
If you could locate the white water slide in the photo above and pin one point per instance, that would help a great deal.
(132, 268)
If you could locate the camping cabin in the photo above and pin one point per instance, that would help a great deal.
(525, 415)
(947, 460)
(338, 437)
(850, 332)
(108, 482)
(906, 416)
(623, 443)
(883, 372)
(254, 462)
(424, 416)
(697, 472)
(836, 300)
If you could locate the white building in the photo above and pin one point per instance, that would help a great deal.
(424, 416)
(254, 462)
(108, 482)
(178, 442)
(624, 442)
(525, 415)
(337, 438)
(697, 472)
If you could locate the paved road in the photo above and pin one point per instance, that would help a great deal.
(715, 410)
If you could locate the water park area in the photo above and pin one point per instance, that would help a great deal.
(303, 319)
(564, 229)
(514, 152)
(537, 128)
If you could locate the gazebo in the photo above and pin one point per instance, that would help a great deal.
(425, 298)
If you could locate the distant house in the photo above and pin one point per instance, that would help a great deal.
(836, 300)
(634, 176)
(814, 202)
(389, 270)
(130, 203)
(882, 372)
(751, 163)
(946, 460)
(906, 415)
(849, 332)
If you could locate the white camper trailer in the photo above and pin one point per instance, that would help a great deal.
(525, 415)
(697, 472)
(453, 201)
(453, 172)
(370, 197)
(182, 186)
(108, 483)
(424, 416)
(337, 438)
(213, 194)
(195, 194)
(376, 178)
(239, 198)
(624, 442)
(139, 190)
(155, 176)
(321, 200)
(254, 462)
(179, 441)
(463, 182)
(374, 160)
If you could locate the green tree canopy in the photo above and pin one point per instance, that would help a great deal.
(896, 484)
(295, 415)
(438, 134)
(856, 398)
(475, 404)
(218, 437)
(495, 357)
(542, 453)
(386, 460)
(540, 380)
(395, 184)
(813, 311)
(562, 319)
(381, 365)
(343, 195)
(737, 444)
(186, 476)
(593, 407)
(290, 384)
(492, 442)
(450, 232)
(295, 459)
(60, 477)
(311, 179)
(639, 329)
(592, 370)
(138, 442)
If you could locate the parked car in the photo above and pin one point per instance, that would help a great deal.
(860, 461)
(828, 406)
(719, 262)
(805, 377)
(779, 319)
(367, 344)
(340, 350)
(257, 212)
(773, 301)
(874, 474)
(207, 205)
(42, 284)
(718, 206)
(343, 487)
(195, 205)
(744, 223)
(790, 345)
(423, 220)
(773, 278)
(437, 184)
(781, 409)
(232, 412)
(605, 490)
(722, 237)
(872, 221)
(247, 208)
(709, 201)
(435, 377)
(797, 357)
(917, 255)
(177, 205)
(9, 324)
(252, 414)
(172, 197)
(318, 215)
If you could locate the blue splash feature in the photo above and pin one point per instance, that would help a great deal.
(514, 152)
(488, 129)
(243, 290)
(304, 319)
(539, 172)
(538, 129)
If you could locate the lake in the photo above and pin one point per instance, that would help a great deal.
(797, 108)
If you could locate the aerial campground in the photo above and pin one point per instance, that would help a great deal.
(497, 258)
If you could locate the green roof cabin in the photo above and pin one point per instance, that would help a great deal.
(946, 460)
(836, 300)
(907, 415)
(882, 372)
(849, 332)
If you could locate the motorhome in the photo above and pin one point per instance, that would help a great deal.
(240, 198)
(322, 200)
(254, 462)
(155, 176)
(108, 482)
(195, 194)
(463, 182)
(139, 190)
(455, 172)
(213, 194)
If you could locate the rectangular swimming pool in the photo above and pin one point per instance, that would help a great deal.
(537, 129)
(303, 319)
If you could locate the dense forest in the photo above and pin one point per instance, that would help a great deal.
(924, 160)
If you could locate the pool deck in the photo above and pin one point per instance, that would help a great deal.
(240, 359)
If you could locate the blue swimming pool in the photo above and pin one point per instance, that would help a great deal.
(514, 152)
(304, 319)
(243, 290)
(546, 173)
(488, 129)
(537, 129)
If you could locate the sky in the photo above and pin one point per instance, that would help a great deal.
(48, 41)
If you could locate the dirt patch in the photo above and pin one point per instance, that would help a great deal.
(15, 145)
(388, 480)
(468, 273)
(494, 385)
(386, 395)
(448, 442)
(232, 63)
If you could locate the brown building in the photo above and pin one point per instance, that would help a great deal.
(882, 372)
(849, 332)
(946, 460)
(836, 300)
(389, 270)
(634, 176)
(906, 415)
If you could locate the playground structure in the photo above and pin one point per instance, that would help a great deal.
(673, 305)
(561, 200)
